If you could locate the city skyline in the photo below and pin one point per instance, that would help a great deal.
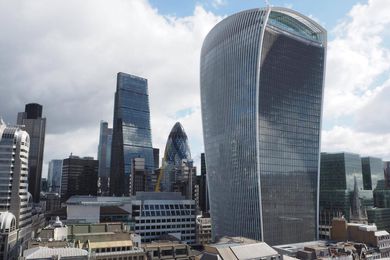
(84, 98)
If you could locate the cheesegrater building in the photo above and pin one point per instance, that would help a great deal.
(262, 78)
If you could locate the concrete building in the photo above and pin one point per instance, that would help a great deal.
(153, 214)
(327, 250)
(79, 177)
(203, 230)
(236, 248)
(160, 213)
(158, 250)
(15, 200)
(34, 124)
(367, 234)
(101, 241)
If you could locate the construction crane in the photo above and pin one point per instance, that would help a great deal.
(157, 188)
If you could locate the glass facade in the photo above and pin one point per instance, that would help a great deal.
(338, 174)
(262, 75)
(372, 169)
(176, 150)
(131, 131)
(55, 175)
(104, 157)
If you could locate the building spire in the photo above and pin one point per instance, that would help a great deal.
(357, 214)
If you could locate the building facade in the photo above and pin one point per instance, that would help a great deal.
(261, 77)
(131, 136)
(15, 200)
(104, 158)
(54, 175)
(79, 177)
(176, 150)
(32, 122)
(372, 169)
(204, 205)
(164, 213)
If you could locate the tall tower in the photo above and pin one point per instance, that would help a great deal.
(14, 195)
(32, 122)
(131, 137)
(262, 78)
(176, 150)
(104, 157)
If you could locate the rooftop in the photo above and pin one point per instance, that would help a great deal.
(44, 252)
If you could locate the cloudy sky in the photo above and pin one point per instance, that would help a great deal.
(65, 56)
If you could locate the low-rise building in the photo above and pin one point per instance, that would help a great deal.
(203, 230)
(235, 248)
(361, 233)
(157, 250)
(153, 214)
(45, 253)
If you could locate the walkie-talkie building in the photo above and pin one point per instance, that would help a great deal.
(262, 77)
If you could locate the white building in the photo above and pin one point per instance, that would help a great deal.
(14, 197)
(154, 213)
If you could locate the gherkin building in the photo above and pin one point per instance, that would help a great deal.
(176, 150)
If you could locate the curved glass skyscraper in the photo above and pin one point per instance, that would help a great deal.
(176, 150)
(262, 73)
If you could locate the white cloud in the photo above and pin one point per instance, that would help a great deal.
(346, 139)
(65, 55)
(356, 58)
(218, 3)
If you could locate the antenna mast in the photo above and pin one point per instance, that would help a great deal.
(266, 3)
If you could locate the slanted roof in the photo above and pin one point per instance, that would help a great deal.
(45, 252)
(253, 251)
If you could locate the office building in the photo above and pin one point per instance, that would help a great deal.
(44, 185)
(372, 169)
(341, 190)
(54, 175)
(176, 150)
(154, 214)
(104, 158)
(15, 200)
(203, 230)
(32, 122)
(79, 177)
(138, 176)
(156, 157)
(202, 182)
(261, 79)
(131, 135)
(386, 166)
(52, 201)
(164, 213)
